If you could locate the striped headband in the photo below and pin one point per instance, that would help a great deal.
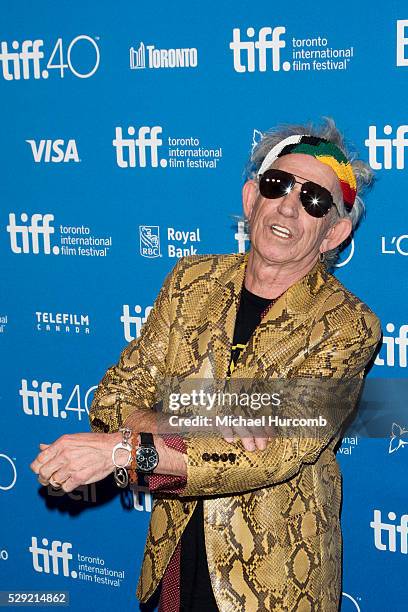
(326, 152)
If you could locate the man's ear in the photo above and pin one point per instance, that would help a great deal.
(336, 234)
(249, 195)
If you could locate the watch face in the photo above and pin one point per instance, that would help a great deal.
(147, 458)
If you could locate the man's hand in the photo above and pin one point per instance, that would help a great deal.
(142, 420)
(252, 439)
(75, 459)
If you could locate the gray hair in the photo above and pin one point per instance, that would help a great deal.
(328, 130)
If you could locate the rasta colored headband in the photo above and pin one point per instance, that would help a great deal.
(325, 152)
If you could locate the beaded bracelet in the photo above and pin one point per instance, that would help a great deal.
(132, 468)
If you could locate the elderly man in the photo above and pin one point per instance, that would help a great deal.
(247, 521)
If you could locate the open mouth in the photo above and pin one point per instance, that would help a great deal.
(281, 231)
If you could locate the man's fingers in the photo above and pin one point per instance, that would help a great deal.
(246, 437)
(47, 470)
(227, 433)
(261, 442)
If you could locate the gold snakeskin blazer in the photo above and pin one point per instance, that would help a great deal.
(271, 517)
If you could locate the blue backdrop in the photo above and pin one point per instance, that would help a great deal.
(125, 131)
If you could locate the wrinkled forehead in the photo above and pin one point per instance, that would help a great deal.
(310, 169)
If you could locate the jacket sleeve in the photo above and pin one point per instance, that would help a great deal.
(134, 381)
(216, 467)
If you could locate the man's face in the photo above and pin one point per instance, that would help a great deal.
(281, 230)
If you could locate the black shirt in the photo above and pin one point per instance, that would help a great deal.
(196, 593)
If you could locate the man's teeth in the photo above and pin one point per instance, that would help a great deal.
(280, 231)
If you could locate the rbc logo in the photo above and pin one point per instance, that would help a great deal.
(127, 319)
(250, 55)
(54, 151)
(131, 152)
(149, 241)
(58, 551)
(40, 225)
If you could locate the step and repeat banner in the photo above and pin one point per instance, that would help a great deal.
(125, 130)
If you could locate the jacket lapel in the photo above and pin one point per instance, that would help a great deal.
(288, 313)
(212, 341)
(223, 304)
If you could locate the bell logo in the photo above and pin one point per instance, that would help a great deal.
(40, 225)
(251, 55)
(58, 553)
(54, 151)
(8, 473)
(131, 152)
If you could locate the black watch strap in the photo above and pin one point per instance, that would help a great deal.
(146, 439)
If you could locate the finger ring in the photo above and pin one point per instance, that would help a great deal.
(55, 484)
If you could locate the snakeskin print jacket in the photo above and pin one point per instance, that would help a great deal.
(271, 517)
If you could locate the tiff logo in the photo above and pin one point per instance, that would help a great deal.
(132, 325)
(390, 343)
(54, 151)
(39, 225)
(29, 56)
(241, 236)
(391, 529)
(402, 42)
(59, 551)
(386, 146)
(249, 55)
(49, 396)
(131, 152)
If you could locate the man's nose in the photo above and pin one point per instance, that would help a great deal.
(289, 204)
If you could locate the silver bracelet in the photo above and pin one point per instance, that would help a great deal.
(120, 473)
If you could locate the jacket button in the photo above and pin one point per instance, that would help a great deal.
(215, 457)
(232, 457)
(224, 457)
(206, 456)
(186, 507)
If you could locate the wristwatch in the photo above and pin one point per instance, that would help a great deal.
(147, 457)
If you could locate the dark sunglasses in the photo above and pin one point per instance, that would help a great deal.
(315, 199)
